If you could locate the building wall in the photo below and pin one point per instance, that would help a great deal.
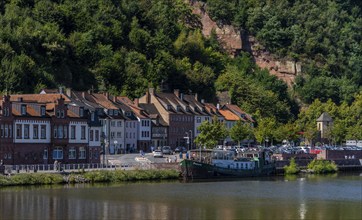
(340, 154)
(179, 125)
(31, 123)
(131, 135)
(78, 130)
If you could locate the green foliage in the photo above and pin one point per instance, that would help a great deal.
(322, 166)
(31, 179)
(211, 133)
(324, 35)
(241, 131)
(292, 168)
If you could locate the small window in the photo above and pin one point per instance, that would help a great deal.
(178, 108)
(128, 114)
(19, 128)
(62, 114)
(119, 123)
(82, 132)
(97, 135)
(43, 131)
(116, 112)
(35, 131)
(82, 153)
(72, 154)
(81, 112)
(72, 132)
(169, 107)
(23, 109)
(58, 153)
(90, 135)
(45, 154)
(42, 110)
(92, 116)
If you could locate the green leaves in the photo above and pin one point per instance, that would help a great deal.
(211, 133)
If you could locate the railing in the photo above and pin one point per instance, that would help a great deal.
(51, 168)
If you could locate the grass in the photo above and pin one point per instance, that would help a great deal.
(88, 177)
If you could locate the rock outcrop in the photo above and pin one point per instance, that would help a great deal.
(233, 41)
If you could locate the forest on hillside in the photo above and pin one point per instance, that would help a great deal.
(126, 46)
(325, 35)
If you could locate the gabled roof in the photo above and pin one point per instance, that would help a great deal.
(324, 118)
(228, 115)
(153, 112)
(211, 108)
(191, 101)
(103, 101)
(39, 98)
(235, 109)
(173, 100)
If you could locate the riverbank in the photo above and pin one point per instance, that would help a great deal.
(103, 176)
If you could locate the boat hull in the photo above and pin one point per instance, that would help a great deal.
(191, 169)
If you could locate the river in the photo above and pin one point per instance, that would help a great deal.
(302, 197)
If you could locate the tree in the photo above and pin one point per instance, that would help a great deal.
(265, 129)
(241, 131)
(211, 133)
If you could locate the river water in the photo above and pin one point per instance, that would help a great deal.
(303, 197)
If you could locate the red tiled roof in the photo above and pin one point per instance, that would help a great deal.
(39, 98)
(228, 115)
(103, 101)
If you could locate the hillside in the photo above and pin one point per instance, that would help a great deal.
(123, 47)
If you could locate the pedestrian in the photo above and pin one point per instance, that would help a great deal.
(55, 165)
(187, 155)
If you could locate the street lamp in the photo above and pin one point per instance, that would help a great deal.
(190, 140)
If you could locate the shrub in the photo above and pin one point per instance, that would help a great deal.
(322, 166)
(292, 168)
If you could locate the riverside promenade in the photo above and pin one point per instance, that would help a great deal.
(111, 162)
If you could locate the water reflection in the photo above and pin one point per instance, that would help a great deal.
(306, 197)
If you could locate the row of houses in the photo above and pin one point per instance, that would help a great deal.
(77, 126)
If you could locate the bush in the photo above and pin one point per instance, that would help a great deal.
(292, 168)
(322, 166)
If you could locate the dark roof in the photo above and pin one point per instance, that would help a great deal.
(153, 112)
(324, 117)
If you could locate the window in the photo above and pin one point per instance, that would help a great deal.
(97, 135)
(178, 108)
(42, 110)
(126, 134)
(119, 134)
(119, 123)
(72, 132)
(23, 109)
(82, 130)
(128, 114)
(65, 131)
(72, 154)
(169, 107)
(113, 124)
(91, 135)
(19, 131)
(116, 112)
(45, 154)
(62, 114)
(82, 153)
(112, 134)
(35, 131)
(10, 131)
(55, 131)
(60, 131)
(58, 153)
(81, 112)
(110, 112)
(198, 120)
(58, 114)
(6, 130)
(92, 116)
(42, 131)
(2, 130)
(126, 124)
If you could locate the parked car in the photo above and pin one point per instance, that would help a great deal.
(167, 150)
(180, 149)
(157, 153)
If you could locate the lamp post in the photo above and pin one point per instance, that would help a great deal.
(187, 139)
(190, 140)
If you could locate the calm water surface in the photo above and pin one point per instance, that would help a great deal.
(307, 197)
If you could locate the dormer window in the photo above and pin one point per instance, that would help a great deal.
(92, 116)
(110, 111)
(187, 108)
(42, 110)
(178, 108)
(203, 109)
(169, 107)
(128, 114)
(58, 114)
(115, 112)
(62, 114)
(23, 109)
(81, 112)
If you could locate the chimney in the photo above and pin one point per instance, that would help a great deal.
(196, 97)
(136, 102)
(202, 101)
(107, 95)
(181, 96)
(176, 92)
(114, 98)
(68, 92)
(218, 106)
(60, 89)
(83, 95)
